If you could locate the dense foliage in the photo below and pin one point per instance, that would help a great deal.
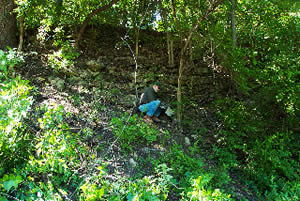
(41, 158)
(259, 129)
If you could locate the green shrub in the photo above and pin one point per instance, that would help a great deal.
(132, 130)
(239, 125)
(7, 62)
(63, 59)
(15, 103)
(151, 187)
(200, 190)
(259, 145)
(57, 153)
(193, 183)
(39, 159)
(55, 146)
(154, 187)
(94, 187)
(181, 162)
(288, 191)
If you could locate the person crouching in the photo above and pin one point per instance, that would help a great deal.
(150, 103)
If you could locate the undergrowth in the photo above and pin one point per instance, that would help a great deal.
(264, 151)
(41, 159)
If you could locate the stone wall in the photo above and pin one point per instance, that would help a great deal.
(115, 58)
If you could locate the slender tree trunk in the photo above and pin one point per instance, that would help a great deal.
(21, 37)
(169, 48)
(182, 58)
(88, 18)
(8, 24)
(191, 52)
(169, 36)
(137, 33)
(233, 24)
(172, 62)
(179, 87)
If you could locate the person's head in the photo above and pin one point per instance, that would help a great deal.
(156, 86)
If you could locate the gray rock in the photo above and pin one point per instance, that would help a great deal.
(129, 60)
(95, 74)
(74, 80)
(92, 63)
(101, 58)
(52, 80)
(128, 101)
(203, 70)
(187, 141)
(142, 58)
(85, 74)
(131, 85)
(132, 163)
(170, 112)
(83, 83)
(95, 65)
(60, 84)
(113, 70)
(57, 82)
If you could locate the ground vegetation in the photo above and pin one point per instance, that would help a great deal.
(69, 124)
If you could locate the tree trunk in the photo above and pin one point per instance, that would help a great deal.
(179, 91)
(89, 17)
(172, 62)
(169, 36)
(233, 25)
(191, 52)
(182, 58)
(169, 48)
(21, 38)
(137, 33)
(8, 24)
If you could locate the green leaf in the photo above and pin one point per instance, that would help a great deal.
(8, 185)
(131, 197)
(101, 192)
(13, 182)
(3, 199)
(254, 62)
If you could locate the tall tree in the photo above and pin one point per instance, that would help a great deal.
(185, 44)
(8, 24)
(166, 27)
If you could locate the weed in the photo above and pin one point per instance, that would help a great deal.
(131, 130)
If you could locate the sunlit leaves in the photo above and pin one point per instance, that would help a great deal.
(10, 181)
(266, 52)
(14, 104)
(199, 190)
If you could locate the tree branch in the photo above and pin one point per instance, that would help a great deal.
(88, 18)
(211, 9)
